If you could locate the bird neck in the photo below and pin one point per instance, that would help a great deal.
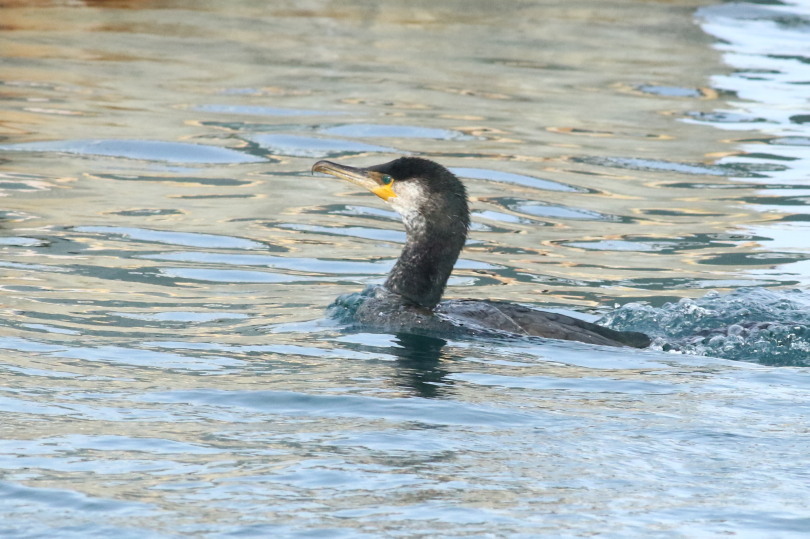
(425, 264)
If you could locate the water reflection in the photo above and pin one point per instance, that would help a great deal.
(420, 365)
(421, 362)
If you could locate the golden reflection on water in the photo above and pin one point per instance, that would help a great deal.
(535, 91)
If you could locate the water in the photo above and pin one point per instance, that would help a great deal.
(167, 369)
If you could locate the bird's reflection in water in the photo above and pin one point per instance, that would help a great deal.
(420, 361)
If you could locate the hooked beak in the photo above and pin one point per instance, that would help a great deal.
(368, 179)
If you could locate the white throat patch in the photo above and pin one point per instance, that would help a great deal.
(410, 196)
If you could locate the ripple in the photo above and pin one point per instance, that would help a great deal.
(77, 442)
(726, 117)
(69, 500)
(288, 403)
(560, 212)
(189, 239)
(149, 358)
(51, 329)
(791, 141)
(755, 259)
(12, 241)
(147, 150)
(254, 110)
(15, 181)
(633, 163)
(395, 236)
(517, 179)
(580, 385)
(183, 316)
(191, 180)
(666, 245)
(300, 146)
(120, 355)
(669, 91)
(316, 265)
(502, 217)
(33, 267)
(147, 212)
(616, 245)
(357, 211)
(230, 276)
(394, 131)
(538, 209)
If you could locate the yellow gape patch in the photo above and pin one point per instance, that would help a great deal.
(384, 191)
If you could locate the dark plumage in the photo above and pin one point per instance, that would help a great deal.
(433, 206)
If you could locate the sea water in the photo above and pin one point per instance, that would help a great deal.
(167, 366)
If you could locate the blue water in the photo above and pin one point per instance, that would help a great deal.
(766, 46)
(167, 366)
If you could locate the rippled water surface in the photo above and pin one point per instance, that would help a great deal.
(167, 368)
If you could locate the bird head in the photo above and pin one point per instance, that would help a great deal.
(423, 192)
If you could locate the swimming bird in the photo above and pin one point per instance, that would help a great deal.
(432, 203)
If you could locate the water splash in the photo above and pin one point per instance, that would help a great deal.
(771, 327)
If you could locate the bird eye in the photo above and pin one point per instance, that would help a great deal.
(387, 180)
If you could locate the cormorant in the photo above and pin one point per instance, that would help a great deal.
(432, 202)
